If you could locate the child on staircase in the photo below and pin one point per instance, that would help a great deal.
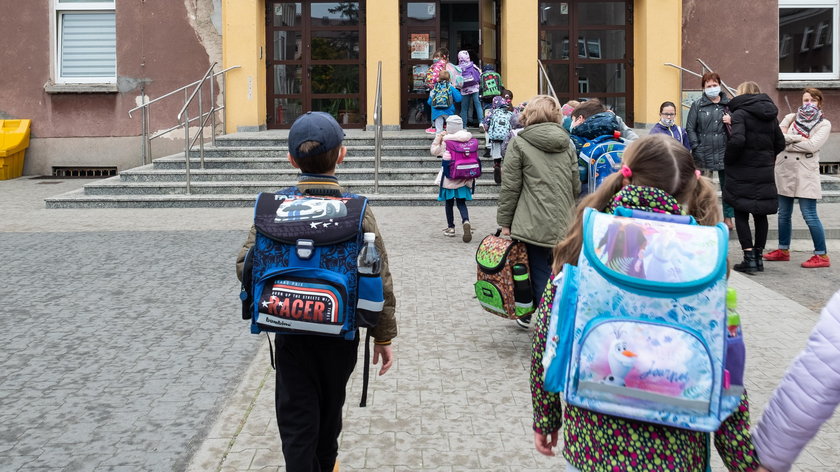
(453, 191)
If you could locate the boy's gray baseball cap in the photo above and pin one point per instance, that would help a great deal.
(314, 126)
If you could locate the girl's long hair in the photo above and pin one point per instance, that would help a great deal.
(656, 161)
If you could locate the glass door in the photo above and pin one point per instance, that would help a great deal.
(315, 61)
(420, 33)
(489, 33)
(587, 49)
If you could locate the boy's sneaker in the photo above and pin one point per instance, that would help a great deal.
(778, 255)
(467, 232)
(816, 261)
(449, 232)
(486, 152)
(524, 322)
(497, 173)
(431, 130)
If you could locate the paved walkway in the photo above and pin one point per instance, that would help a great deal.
(112, 382)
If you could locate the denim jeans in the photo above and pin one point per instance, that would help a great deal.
(462, 209)
(808, 207)
(539, 260)
(471, 101)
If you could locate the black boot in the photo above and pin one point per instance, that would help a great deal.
(759, 259)
(749, 264)
(497, 171)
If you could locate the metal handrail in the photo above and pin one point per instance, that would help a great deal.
(544, 80)
(377, 128)
(202, 118)
(705, 67)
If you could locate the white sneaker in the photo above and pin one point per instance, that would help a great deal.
(467, 232)
(524, 322)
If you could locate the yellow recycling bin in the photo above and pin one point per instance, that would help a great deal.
(14, 139)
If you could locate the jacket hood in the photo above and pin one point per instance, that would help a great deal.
(758, 105)
(463, 57)
(499, 102)
(488, 67)
(547, 137)
(460, 135)
(597, 125)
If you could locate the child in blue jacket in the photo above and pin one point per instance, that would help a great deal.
(439, 112)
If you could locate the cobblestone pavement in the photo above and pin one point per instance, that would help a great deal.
(102, 369)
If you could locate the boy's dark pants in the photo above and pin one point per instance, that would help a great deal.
(312, 375)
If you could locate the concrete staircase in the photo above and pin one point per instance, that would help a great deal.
(243, 164)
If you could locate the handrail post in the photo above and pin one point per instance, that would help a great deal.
(144, 144)
(187, 149)
(201, 122)
(377, 127)
(223, 91)
(212, 111)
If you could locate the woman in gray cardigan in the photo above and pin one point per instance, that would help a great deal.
(806, 398)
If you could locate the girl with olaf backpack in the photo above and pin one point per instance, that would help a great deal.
(643, 358)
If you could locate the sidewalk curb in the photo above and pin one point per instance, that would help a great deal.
(234, 415)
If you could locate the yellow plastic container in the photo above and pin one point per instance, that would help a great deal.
(14, 139)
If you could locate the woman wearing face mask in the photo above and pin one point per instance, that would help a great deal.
(706, 133)
(667, 124)
(798, 176)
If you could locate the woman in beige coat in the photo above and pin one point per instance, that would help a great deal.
(798, 176)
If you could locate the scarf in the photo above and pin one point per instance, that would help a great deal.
(638, 197)
(807, 116)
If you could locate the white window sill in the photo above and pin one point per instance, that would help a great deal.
(801, 84)
(51, 87)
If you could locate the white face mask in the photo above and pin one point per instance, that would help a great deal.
(667, 122)
(712, 92)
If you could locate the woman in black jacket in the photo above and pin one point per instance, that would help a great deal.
(749, 162)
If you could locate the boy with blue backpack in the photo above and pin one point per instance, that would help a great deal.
(638, 359)
(314, 269)
(597, 135)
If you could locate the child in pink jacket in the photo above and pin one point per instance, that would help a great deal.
(453, 191)
(806, 398)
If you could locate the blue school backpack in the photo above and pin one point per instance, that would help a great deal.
(441, 96)
(301, 275)
(499, 129)
(598, 159)
(638, 328)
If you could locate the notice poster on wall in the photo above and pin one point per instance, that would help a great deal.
(420, 46)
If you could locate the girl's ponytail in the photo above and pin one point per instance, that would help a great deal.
(567, 251)
(703, 203)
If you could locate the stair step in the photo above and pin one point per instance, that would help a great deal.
(115, 186)
(272, 162)
(78, 199)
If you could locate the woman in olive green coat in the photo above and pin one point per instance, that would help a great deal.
(540, 182)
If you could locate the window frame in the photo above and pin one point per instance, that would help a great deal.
(59, 10)
(809, 40)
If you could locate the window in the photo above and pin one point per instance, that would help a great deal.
(85, 41)
(807, 30)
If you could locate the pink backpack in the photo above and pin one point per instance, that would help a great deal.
(464, 163)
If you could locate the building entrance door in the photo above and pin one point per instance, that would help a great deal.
(315, 61)
(587, 49)
(427, 26)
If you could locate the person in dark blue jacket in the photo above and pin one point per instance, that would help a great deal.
(667, 124)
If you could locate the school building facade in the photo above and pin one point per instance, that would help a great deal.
(78, 66)
(324, 55)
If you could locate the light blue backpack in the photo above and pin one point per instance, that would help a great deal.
(638, 328)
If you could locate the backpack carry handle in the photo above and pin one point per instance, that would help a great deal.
(649, 215)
